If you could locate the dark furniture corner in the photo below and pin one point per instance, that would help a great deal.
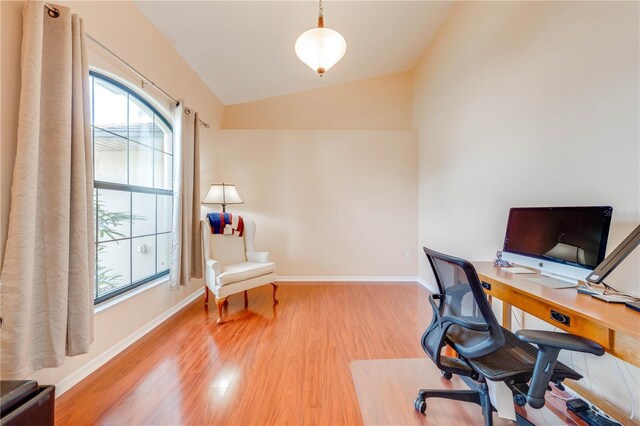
(24, 403)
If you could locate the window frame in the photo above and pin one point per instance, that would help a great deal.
(130, 189)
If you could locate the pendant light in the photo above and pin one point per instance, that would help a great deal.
(320, 48)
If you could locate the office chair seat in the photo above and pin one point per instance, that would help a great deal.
(516, 361)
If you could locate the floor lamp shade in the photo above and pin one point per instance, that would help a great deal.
(222, 193)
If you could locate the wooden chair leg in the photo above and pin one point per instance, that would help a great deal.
(206, 296)
(220, 303)
(275, 289)
(246, 299)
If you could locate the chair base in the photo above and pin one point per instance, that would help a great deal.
(478, 396)
(223, 302)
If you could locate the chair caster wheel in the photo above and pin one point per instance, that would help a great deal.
(520, 400)
(447, 375)
(420, 405)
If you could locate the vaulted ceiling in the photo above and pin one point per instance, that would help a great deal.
(244, 50)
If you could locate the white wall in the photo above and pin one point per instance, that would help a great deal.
(527, 103)
(532, 104)
(121, 27)
(328, 202)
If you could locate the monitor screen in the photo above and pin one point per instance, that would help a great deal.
(575, 236)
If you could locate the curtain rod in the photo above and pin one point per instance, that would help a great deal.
(54, 13)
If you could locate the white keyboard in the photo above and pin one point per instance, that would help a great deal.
(552, 282)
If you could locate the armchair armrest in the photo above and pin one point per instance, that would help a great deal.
(212, 269)
(560, 341)
(214, 265)
(259, 256)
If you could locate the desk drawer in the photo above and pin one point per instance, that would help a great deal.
(554, 315)
(572, 323)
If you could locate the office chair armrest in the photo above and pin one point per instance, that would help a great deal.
(560, 341)
(470, 325)
(434, 306)
(549, 345)
(447, 321)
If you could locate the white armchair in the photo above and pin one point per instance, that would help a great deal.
(232, 265)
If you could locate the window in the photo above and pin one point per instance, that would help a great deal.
(133, 188)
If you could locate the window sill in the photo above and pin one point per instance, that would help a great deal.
(129, 294)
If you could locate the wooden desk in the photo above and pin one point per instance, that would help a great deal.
(613, 325)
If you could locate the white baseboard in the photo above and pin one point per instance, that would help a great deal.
(347, 278)
(432, 288)
(74, 378)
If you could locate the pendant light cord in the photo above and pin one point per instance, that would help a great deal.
(320, 16)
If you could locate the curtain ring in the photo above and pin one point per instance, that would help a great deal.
(187, 111)
(53, 12)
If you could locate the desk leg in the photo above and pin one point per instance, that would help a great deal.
(506, 315)
(506, 312)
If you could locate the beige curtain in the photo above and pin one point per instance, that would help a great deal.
(186, 250)
(48, 272)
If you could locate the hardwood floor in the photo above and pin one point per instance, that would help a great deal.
(288, 365)
(283, 364)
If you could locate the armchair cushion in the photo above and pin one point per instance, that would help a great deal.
(235, 272)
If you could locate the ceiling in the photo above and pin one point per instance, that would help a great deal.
(244, 50)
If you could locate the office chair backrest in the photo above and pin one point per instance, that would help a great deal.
(461, 296)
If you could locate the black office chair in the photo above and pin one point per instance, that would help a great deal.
(463, 320)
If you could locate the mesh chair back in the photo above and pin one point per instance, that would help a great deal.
(461, 296)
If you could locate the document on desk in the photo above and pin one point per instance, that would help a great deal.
(517, 270)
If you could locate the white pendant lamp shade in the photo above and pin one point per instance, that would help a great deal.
(320, 48)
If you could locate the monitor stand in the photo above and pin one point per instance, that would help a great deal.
(552, 282)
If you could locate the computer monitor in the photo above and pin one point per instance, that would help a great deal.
(618, 255)
(564, 243)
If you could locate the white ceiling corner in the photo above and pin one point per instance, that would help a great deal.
(244, 50)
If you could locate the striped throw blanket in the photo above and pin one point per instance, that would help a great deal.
(226, 224)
